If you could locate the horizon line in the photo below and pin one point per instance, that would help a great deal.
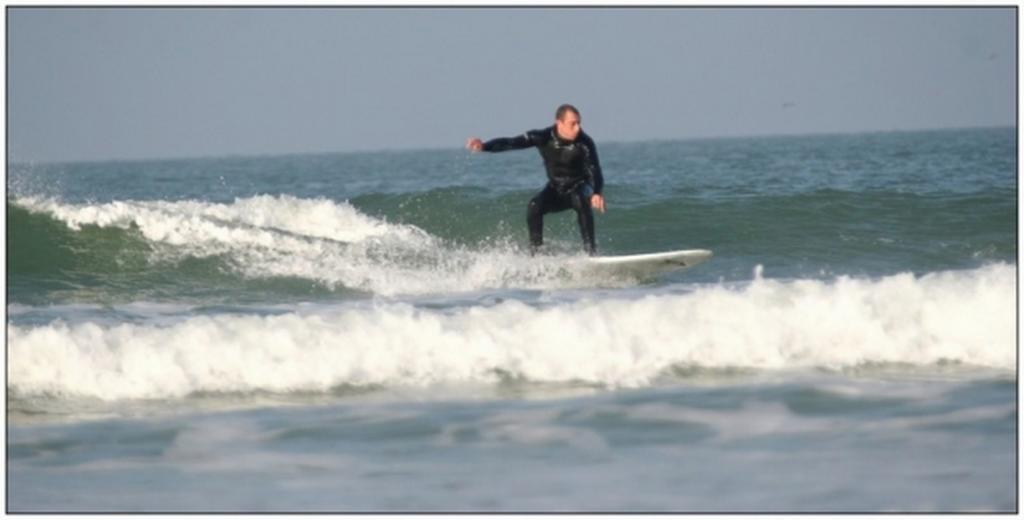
(255, 155)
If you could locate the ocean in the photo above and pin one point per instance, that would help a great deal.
(367, 332)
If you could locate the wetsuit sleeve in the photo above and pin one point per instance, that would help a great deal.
(592, 166)
(526, 140)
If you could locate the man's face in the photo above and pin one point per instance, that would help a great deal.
(569, 126)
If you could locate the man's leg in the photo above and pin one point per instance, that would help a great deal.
(585, 217)
(546, 201)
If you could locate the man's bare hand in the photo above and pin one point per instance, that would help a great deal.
(597, 202)
(474, 144)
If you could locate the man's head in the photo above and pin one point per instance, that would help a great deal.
(567, 122)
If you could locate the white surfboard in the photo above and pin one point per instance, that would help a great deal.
(649, 264)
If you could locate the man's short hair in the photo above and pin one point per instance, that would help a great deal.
(566, 108)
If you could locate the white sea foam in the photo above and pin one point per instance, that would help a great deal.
(965, 316)
(187, 222)
(317, 239)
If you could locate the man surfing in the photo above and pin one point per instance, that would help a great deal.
(574, 173)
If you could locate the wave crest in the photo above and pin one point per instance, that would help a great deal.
(963, 317)
(329, 242)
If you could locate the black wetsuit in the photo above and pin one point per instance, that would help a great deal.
(574, 174)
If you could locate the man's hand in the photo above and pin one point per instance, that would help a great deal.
(474, 144)
(597, 202)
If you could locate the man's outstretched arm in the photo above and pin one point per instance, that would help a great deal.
(502, 144)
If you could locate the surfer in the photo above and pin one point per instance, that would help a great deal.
(574, 173)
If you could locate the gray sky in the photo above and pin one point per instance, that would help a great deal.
(95, 83)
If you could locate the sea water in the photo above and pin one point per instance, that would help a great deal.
(368, 332)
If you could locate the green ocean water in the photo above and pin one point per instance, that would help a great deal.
(288, 326)
(811, 207)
